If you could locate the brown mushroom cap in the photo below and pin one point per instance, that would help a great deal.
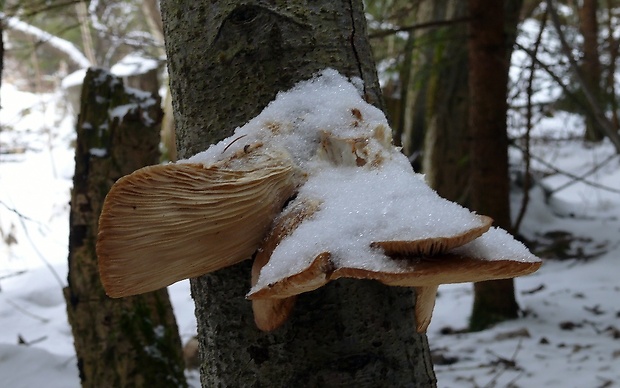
(166, 223)
(313, 277)
(434, 245)
(269, 314)
(418, 272)
(443, 269)
(424, 273)
(424, 304)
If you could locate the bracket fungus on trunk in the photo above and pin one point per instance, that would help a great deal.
(314, 189)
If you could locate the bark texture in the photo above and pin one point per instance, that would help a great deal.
(494, 301)
(227, 60)
(130, 342)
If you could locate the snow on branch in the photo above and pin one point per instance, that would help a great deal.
(62, 45)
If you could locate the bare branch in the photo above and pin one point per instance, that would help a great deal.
(66, 48)
(576, 178)
(436, 23)
(594, 109)
(26, 312)
(20, 215)
(21, 219)
(526, 151)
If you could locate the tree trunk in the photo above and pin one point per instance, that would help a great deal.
(150, 9)
(494, 301)
(226, 62)
(130, 342)
(1, 49)
(591, 66)
(446, 155)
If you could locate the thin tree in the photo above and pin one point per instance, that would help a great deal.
(446, 155)
(494, 301)
(463, 157)
(591, 64)
(227, 60)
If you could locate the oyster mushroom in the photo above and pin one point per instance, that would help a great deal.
(495, 255)
(166, 223)
(364, 215)
(270, 314)
(434, 245)
(360, 211)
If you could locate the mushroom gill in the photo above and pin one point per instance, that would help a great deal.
(166, 223)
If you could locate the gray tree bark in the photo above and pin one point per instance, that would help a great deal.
(227, 60)
(129, 342)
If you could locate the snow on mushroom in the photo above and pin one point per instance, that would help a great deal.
(359, 211)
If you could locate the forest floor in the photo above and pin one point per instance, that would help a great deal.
(568, 334)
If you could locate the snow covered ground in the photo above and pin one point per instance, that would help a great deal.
(569, 335)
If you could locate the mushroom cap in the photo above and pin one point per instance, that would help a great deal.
(461, 265)
(269, 314)
(424, 304)
(311, 278)
(419, 272)
(495, 255)
(443, 269)
(165, 223)
(434, 245)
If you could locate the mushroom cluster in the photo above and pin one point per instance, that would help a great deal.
(314, 190)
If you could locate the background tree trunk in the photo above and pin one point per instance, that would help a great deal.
(226, 62)
(446, 153)
(494, 301)
(591, 65)
(129, 342)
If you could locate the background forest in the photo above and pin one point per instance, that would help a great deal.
(562, 139)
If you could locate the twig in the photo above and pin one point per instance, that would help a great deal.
(43, 259)
(23, 310)
(594, 110)
(508, 363)
(436, 23)
(22, 341)
(232, 142)
(12, 275)
(553, 76)
(586, 174)
(13, 210)
(573, 176)
(526, 152)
